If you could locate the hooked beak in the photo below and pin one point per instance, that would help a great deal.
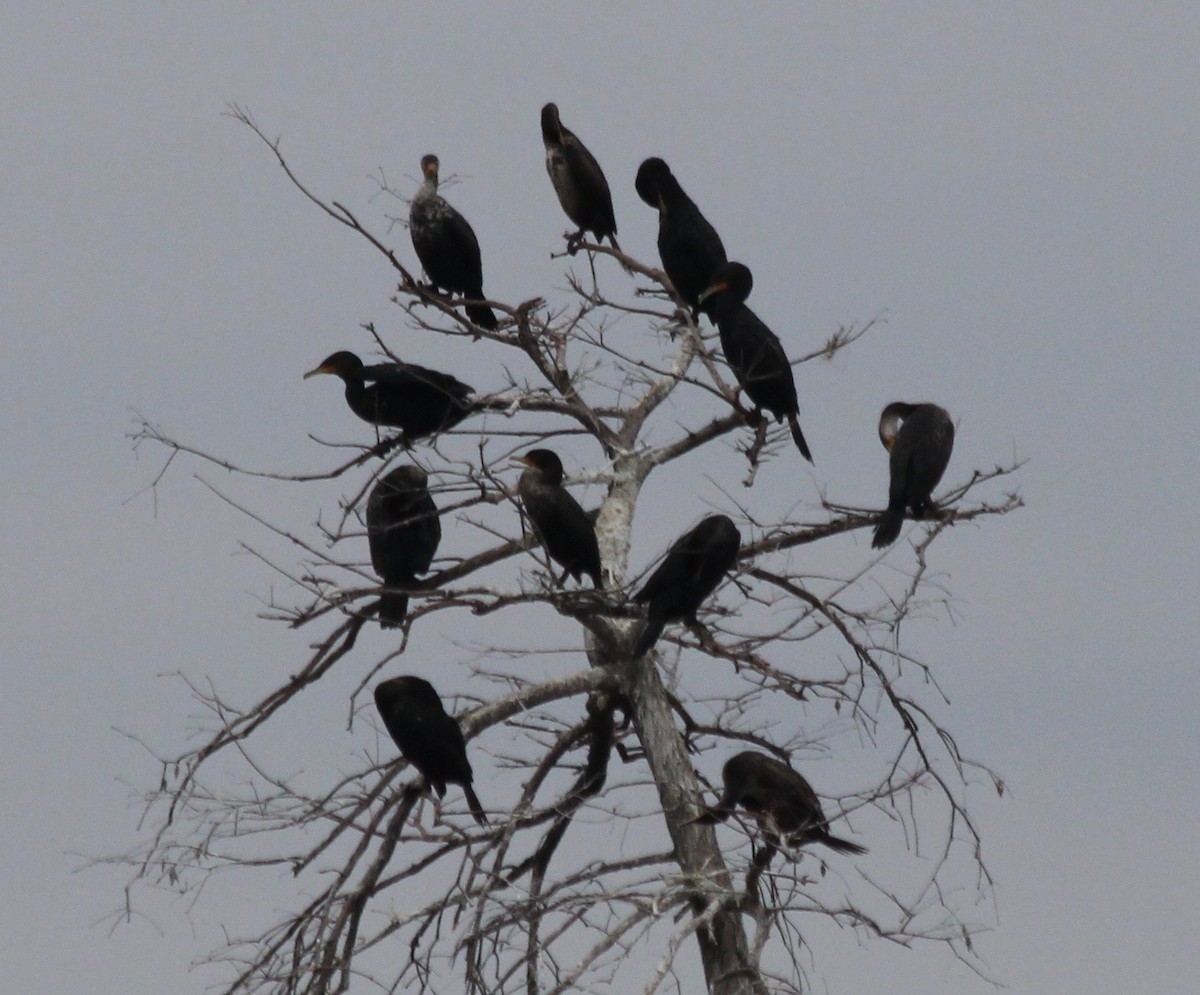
(318, 371)
(716, 288)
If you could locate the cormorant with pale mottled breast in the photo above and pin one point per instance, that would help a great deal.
(578, 180)
(919, 439)
(427, 737)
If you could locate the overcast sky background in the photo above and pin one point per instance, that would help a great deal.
(1014, 185)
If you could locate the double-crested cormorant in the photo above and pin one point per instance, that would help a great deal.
(920, 438)
(447, 246)
(689, 247)
(781, 801)
(753, 351)
(428, 738)
(403, 531)
(417, 401)
(565, 529)
(578, 180)
(691, 571)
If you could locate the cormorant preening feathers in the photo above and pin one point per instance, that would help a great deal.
(403, 531)
(578, 180)
(920, 438)
(417, 401)
(689, 247)
(428, 738)
(782, 802)
(564, 527)
(690, 572)
(752, 350)
(446, 245)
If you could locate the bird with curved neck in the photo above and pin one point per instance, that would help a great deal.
(919, 439)
(752, 350)
(403, 533)
(446, 246)
(578, 180)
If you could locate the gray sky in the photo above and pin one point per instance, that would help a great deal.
(1014, 186)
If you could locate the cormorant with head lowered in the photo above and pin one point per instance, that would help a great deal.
(691, 571)
(427, 737)
(578, 180)
(689, 247)
(752, 350)
(403, 532)
(446, 245)
(919, 438)
(566, 531)
(782, 802)
(417, 401)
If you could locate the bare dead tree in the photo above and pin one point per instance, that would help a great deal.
(592, 871)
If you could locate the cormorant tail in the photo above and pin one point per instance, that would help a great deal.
(798, 436)
(473, 802)
(839, 844)
(648, 637)
(392, 609)
(482, 315)
(889, 527)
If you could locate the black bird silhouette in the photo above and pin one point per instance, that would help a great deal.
(693, 568)
(689, 247)
(566, 531)
(403, 531)
(446, 245)
(417, 401)
(782, 802)
(752, 350)
(427, 737)
(920, 438)
(578, 180)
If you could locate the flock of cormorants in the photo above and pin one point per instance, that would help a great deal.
(404, 530)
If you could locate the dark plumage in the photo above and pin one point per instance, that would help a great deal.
(446, 245)
(689, 247)
(417, 401)
(920, 438)
(428, 738)
(578, 180)
(781, 801)
(403, 531)
(693, 568)
(564, 527)
(752, 350)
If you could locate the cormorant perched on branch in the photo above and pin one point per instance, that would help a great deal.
(920, 438)
(417, 401)
(403, 530)
(578, 180)
(564, 527)
(446, 245)
(689, 247)
(781, 801)
(428, 738)
(691, 571)
(753, 351)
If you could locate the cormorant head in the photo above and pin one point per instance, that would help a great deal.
(413, 688)
(405, 478)
(650, 176)
(341, 364)
(546, 463)
(551, 125)
(731, 278)
(429, 167)
(890, 421)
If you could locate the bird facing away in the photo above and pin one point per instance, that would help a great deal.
(403, 531)
(446, 245)
(920, 438)
(417, 401)
(693, 568)
(689, 247)
(578, 180)
(781, 801)
(752, 350)
(566, 531)
(427, 737)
